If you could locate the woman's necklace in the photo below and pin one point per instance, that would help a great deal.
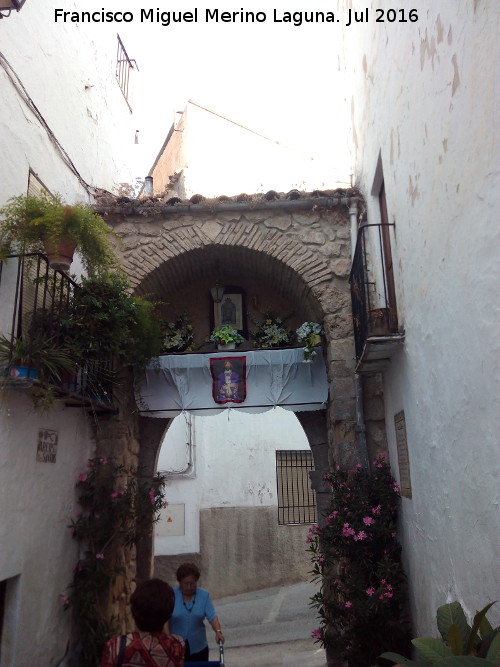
(189, 609)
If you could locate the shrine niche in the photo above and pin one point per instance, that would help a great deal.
(230, 310)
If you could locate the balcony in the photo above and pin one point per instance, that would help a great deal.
(37, 352)
(375, 321)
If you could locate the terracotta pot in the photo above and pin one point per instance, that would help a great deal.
(59, 254)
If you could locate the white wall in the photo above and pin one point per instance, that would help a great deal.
(69, 74)
(37, 501)
(234, 466)
(68, 71)
(425, 98)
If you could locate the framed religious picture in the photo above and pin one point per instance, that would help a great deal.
(231, 310)
(229, 379)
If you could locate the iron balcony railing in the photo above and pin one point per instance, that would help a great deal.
(369, 293)
(41, 302)
(123, 66)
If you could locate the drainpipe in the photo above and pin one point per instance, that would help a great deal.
(360, 423)
(353, 215)
(360, 417)
(148, 186)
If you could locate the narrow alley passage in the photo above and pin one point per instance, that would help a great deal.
(270, 628)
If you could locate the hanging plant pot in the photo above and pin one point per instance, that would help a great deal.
(59, 253)
(20, 377)
(226, 346)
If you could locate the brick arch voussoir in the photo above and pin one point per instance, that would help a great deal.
(273, 243)
(139, 262)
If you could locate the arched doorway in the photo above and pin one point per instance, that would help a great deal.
(240, 503)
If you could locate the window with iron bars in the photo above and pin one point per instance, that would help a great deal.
(123, 66)
(296, 499)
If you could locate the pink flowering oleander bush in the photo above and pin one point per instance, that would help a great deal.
(362, 603)
(118, 509)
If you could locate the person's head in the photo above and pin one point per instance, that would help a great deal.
(187, 575)
(152, 604)
(228, 366)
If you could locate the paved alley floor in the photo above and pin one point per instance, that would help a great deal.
(269, 628)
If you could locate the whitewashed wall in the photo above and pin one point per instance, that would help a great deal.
(68, 71)
(37, 501)
(425, 101)
(69, 74)
(234, 465)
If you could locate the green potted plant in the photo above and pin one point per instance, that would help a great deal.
(34, 357)
(310, 334)
(362, 603)
(104, 319)
(45, 224)
(271, 331)
(37, 359)
(15, 359)
(226, 337)
(479, 642)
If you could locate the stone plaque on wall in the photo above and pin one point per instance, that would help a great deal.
(403, 458)
(46, 450)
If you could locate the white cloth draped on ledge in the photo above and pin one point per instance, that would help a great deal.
(173, 384)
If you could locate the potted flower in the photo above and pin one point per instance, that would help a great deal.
(45, 224)
(35, 359)
(226, 337)
(309, 333)
(178, 335)
(271, 331)
(18, 369)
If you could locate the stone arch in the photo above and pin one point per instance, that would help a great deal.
(166, 245)
(303, 253)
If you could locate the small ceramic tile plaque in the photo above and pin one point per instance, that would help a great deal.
(46, 451)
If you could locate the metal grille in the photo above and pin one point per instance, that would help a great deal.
(296, 499)
(363, 288)
(42, 296)
(123, 66)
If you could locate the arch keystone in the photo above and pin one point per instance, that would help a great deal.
(211, 229)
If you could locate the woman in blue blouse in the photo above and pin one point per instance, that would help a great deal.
(192, 606)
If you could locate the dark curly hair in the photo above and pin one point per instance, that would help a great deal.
(152, 604)
(186, 570)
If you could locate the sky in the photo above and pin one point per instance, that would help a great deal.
(279, 79)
